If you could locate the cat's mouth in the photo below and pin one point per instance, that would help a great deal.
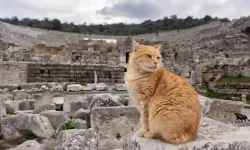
(152, 67)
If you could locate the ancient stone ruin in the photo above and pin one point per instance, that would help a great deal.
(65, 91)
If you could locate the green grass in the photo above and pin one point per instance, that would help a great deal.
(213, 94)
(29, 136)
(11, 112)
(68, 125)
(234, 79)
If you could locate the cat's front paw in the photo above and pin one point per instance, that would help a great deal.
(149, 135)
(141, 132)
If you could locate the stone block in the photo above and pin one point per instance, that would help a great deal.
(13, 126)
(55, 117)
(24, 105)
(86, 88)
(212, 135)
(76, 105)
(113, 125)
(103, 100)
(79, 124)
(21, 95)
(11, 106)
(58, 101)
(32, 104)
(120, 87)
(70, 98)
(6, 97)
(44, 108)
(28, 145)
(223, 110)
(2, 108)
(101, 87)
(74, 87)
(83, 114)
(82, 139)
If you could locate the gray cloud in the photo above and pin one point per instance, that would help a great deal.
(127, 11)
(132, 9)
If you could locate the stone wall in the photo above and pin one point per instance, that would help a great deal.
(74, 73)
(13, 72)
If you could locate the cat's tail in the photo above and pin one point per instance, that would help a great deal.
(179, 139)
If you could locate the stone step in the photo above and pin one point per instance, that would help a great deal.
(212, 135)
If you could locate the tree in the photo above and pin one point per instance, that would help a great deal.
(56, 25)
(14, 20)
(224, 20)
(207, 18)
(101, 28)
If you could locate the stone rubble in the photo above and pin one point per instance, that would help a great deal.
(14, 126)
(113, 124)
(77, 139)
(212, 135)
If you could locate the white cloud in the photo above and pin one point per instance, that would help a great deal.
(128, 11)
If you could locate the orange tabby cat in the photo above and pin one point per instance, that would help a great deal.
(169, 105)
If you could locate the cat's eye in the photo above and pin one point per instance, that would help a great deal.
(158, 57)
(149, 56)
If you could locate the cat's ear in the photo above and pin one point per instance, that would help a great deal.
(157, 46)
(135, 45)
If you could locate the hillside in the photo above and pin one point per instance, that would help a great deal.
(28, 36)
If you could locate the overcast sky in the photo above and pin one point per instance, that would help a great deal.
(127, 11)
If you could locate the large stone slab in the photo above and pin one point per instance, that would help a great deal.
(74, 87)
(13, 126)
(76, 139)
(113, 124)
(55, 117)
(2, 108)
(76, 105)
(21, 95)
(212, 135)
(103, 100)
(70, 98)
(29, 145)
(223, 110)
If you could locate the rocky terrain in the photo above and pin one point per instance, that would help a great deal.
(66, 91)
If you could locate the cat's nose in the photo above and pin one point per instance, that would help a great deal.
(155, 63)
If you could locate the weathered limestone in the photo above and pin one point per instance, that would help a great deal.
(68, 99)
(2, 108)
(79, 124)
(25, 105)
(55, 117)
(45, 100)
(83, 139)
(13, 126)
(83, 114)
(6, 96)
(11, 106)
(20, 95)
(29, 145)
(44, 108)
(113, 124)
(86, 88)
(2, 112)
(212, 135)
(76, 105)
(120, 87)
(58, 101)
(13, 72)
(101, 87)
(74, 87)
(223, 110)
(103, 100)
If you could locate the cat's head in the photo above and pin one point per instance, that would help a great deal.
(146, 58)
